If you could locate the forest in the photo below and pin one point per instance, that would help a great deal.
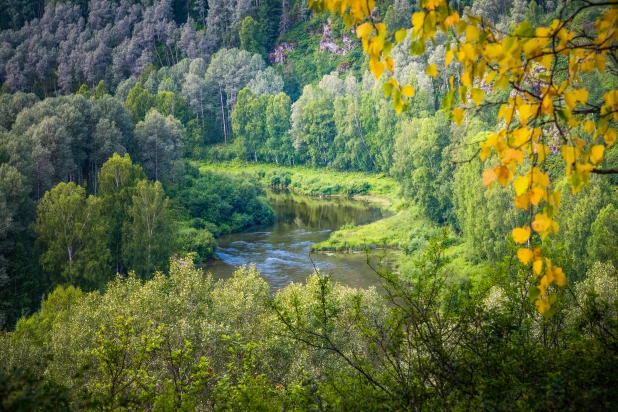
(136, 136)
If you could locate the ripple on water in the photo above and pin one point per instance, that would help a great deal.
(281, 252)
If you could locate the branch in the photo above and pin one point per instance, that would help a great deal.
(605, 171)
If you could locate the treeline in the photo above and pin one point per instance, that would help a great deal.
(53, 48)
(184, 341)
(129, 225)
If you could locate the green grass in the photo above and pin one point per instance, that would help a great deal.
(404, 230)
(317, 181)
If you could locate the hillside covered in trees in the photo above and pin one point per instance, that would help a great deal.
(135, 133)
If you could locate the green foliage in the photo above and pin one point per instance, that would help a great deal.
(139, 102)
(118, 179)
(22, 390)
(73, 235)
(318, 181)
(199, 242)
(148, 232)
(604, 228)
(101, 90)
(84, 90)
(251, 36)
(230, 203)
(420, 166)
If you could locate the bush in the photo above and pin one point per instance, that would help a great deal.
(199, 242)
(223, 203)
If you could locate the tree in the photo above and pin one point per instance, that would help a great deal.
(107, 140)
(148, 233)
(194, 90)
(279, 144)
(160, 141)
(315, 131)
(118, 180)
(101, 90)
(419, 164)
(251, 37)
(548, 102)
(229, 72)
(605, 227)
(73, 237)
(248, 122)
(139, 102)
(284, 23)
(269, 19)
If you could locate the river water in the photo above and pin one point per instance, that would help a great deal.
(281, 251)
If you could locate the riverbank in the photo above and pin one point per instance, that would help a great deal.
(394, 232)
(404, 226)
(375, 188)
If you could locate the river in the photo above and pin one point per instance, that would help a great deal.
(281, 251)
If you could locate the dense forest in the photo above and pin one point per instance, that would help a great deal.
(113, 113)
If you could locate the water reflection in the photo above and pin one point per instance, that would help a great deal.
(281, 251)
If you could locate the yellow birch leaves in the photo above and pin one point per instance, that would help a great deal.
(537, 118)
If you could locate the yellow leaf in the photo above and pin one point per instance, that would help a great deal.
(485, 152)
(537, 266)
(571, 98)
(530, 48)
(609, 136)
(525, 255)
(432, 70)
(525, 111)
(390, 64)
(472, 33)
(599, 59)
(477, 95)
(542, 151)
(589, 126)
(504, 175)
(546, 60)
(536, 195)
(521, 185)
(513, 155)
(489, 176)
(418, 19)
(466, 80)
(596, 154)
(381, 29)
(522, 202)
(559, 278)
(407, 91)
(364, 30)
(449, 57)
(541, 223)
(520, 136)
(376, 67)
(568, 154)
(458, 115)
(543, 305)
(521, 234)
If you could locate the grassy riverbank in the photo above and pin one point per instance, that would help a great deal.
(378, 188)
(389, 233)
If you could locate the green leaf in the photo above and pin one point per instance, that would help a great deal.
(549, 313)
(417, 48)
(524, 30)
(388, 88)
(447, 100)
(533, 293)
(388, 46)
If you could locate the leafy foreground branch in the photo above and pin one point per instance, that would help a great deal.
(187, 342)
